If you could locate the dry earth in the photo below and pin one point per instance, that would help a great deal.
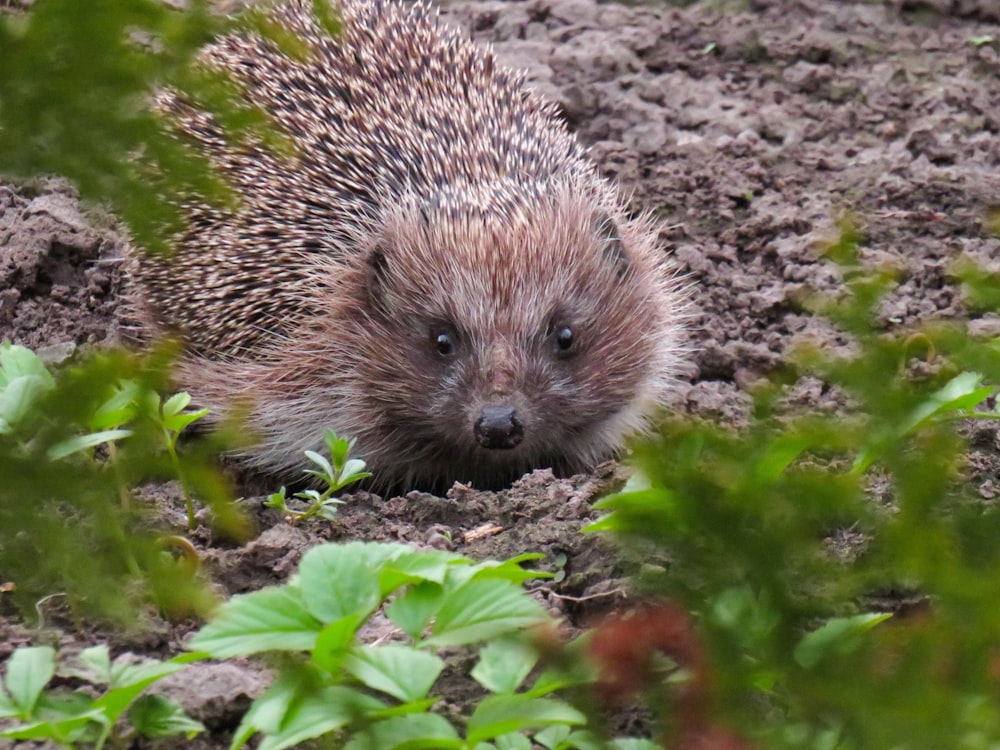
(751, 128)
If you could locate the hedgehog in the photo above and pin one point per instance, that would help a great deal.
(439, 270)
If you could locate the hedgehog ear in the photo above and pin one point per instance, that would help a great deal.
(377, 281)
(612, 245)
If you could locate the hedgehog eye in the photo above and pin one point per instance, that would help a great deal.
(444, 341)
(563, 339)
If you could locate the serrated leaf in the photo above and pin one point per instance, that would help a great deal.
(318, 712)
(504, 665)
(503, 714)
(29, 670)
(414, 732)
(412, 610)
(83, 442)
(508, 570)
(483, 609)
(272, 619)
(401, 671)
(339, 580)
(417, 565)
(158, 716)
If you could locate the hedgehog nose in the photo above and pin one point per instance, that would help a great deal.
(498, 428)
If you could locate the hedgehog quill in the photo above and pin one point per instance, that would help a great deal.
(439, 271)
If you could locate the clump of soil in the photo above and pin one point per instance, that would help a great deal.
(752, 133)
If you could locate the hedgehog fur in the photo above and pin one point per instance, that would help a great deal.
(439, 270)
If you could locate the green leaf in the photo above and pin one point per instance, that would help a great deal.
(634, 743)
(483, 609)
(352, 469)
(401, 671)
(338, 448)
(63, 730)
(318, 712)
(513, 741)
(550, 737)
(339, 580)
(176, 404)
(118, 409)
(29, 670)
(333, 642)
(504, 665)
(325, 469)
(159, 716)
(92, 664)
(503, 714)
(129, 680)
(18, 362)
(7, 707)
(180, 422)
(268, 710)
(272, 619)
(20, 395)
(960, 394)
(413, 732)
(83, 442)
(839, 636)
(415, 566)
(412, 610)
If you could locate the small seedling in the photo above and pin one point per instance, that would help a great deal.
(30, 712)
(337, 472)
(171, 418)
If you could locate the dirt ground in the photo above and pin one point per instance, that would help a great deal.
(751, 127)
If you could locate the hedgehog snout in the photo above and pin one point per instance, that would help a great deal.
(498, 427)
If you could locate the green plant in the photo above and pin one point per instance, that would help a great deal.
(769, 536)
(380, 695)
(337, 472)
(24, 379)
(60, 527)
(76, 86)
(172, 420)
(71, 717)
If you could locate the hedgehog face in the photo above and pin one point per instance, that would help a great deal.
(497, 344)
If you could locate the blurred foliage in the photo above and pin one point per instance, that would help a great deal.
(73, 450)
(76, 81)
(787, 538)
(70, 717)
(76, 89)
